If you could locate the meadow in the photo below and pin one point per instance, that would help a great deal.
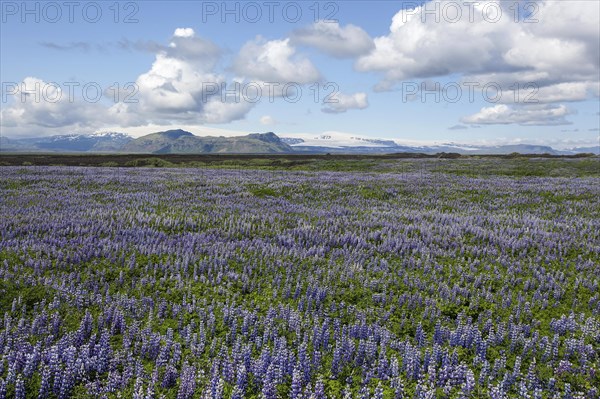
(374, 279)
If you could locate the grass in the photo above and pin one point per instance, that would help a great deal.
(470, 166)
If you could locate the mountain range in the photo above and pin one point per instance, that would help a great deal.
(183, 142)
(97, 143)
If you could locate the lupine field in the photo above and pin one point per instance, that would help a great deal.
(214, 283)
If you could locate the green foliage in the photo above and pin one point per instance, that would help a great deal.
(110, 164)
(261, 191)
(150, 162)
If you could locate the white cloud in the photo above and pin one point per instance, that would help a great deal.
(330, 38)
(181, 80)
(561, 48)
(274, 61)
(568, 91)
(217, 111)
(340, 102)
(184, 32)
(553, 60)
(192, 48)
(175, 85)
(530, 115)
(417, 49)
(53, 106)
(267, 120)
(180, 87)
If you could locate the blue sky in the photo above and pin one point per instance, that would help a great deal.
(173, 58)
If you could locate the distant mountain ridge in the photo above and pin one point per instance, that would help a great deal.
(182, 142)
(345, 144)
(104, 142)
(178, 141)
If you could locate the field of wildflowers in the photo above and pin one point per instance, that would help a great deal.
(213, 283)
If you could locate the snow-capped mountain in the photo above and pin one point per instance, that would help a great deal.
(337, 139)
(338, 142)
(327, 142)
(95, 142)
(592, 150)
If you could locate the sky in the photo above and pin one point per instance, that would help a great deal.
(437, 71)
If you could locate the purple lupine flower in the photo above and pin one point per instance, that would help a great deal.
(19, 388)
(335, 363)
(241, 378)
(469, 384)
(2, 388)
(398, 386)
(269, 389)
(150, 392)
(138, 388)
(420, 336)
(364, 392)
(237, 393)
(496, 392)
(45, 383)
(523, 390)
(567, 394)
(187, 383)
(378, 392)
(319, 389)
(296, 387)
(170, 377)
